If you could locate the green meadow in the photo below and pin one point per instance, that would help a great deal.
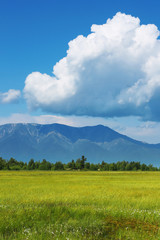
(79, 205)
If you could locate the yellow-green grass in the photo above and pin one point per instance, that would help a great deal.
(79, 205)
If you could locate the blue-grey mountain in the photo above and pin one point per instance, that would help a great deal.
(56, 142)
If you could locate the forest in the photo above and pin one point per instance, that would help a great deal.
(79, 164)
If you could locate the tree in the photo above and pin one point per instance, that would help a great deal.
(12, 162)
(128, 167)
(93, 167)
(111, 167)
(31, 164)
(143, 167)
(2, 163)
(44, 165)
(87, 165)
(71, 165)
(82, 162)
(58, 166)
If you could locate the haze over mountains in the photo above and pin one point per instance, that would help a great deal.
(56, 142)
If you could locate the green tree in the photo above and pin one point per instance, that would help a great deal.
(87, 165)
(31, 164)
(12, 162)
(58, 166)
(93, 167)
(2, 164)
(82, 162)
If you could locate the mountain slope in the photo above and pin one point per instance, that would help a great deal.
(57, 142)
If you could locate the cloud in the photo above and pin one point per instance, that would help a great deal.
(12, 96)
(41, 119)
(76, 121)
(113, 72)
(146, 131)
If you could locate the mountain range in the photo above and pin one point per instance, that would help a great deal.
(56, 142)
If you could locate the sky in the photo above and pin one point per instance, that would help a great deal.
(83, 62)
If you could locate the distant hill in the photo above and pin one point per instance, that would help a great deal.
(56, 142)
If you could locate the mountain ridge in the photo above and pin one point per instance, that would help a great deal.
(59, 142)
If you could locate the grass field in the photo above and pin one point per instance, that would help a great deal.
(79, 205)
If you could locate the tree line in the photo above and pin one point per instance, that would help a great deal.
(79, 164)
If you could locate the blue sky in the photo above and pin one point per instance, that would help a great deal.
(34, 37)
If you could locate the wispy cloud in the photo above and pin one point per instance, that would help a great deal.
(146, 131)
(12, 96)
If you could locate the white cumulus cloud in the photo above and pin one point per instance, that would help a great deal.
(114, 71)
(11, 96)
